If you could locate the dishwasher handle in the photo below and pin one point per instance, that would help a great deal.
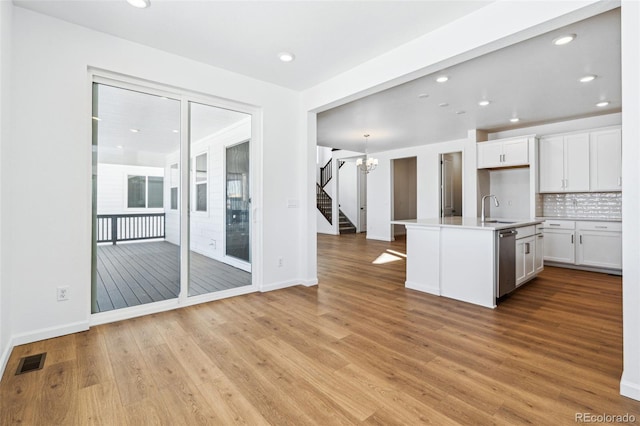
(509, 233)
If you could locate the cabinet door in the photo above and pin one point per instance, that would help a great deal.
(600, 248)
(606, 160)
(489, 154)
(539, 257)
(521, 274)
(559, 245)
(515, 153)
(576, 162)
(530, 257)
(551, 164)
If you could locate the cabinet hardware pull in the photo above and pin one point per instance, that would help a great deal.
(527, 248)
(571, 238)
(580, 238)
(554, 224)
(601, 227)
(540, 236)
(619, 181)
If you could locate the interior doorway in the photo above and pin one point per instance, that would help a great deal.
(405, 191)
(451, 184)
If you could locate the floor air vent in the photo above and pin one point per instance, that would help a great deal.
(31, 363)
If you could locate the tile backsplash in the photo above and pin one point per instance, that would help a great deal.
(596, 205)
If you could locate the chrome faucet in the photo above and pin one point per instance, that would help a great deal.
(495, 201)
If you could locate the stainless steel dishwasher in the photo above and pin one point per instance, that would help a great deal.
(506, 246)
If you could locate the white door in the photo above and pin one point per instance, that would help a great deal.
(576, 159)
(447, 185)
(552, 164)
(515, 152)
(606, 160)
(362, 202)
(559, 245)
(600, 248)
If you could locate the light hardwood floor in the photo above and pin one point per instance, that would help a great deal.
(357, 349)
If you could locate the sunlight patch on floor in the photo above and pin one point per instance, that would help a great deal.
(388, 257)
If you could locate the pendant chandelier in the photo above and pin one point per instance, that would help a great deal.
(367, 163)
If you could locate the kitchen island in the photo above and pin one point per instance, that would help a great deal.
(457, 257)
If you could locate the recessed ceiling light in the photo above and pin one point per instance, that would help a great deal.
(444, 104)
(460, 112)
(588, 78)
(484, 103)
(119, 146)
(423, 95)
(514, 119)
(96, 118)
(286, 56)
(175, 131)
(565, 39)
(134, 130)
(602, 104)
(140, 4)
(442, 79)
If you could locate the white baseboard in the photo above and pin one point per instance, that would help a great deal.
(629, 389)
(5, 356)
(281, 285)
(378, 237)
(49, 333)
(310, 283)
(422, 287)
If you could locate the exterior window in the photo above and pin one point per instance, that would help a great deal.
(201, 183)
(145, 192)
(175, 180)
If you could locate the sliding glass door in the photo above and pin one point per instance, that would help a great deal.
(136, 252)
(219, 231)
(167, 224)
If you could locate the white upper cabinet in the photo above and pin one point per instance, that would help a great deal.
(564, 163)
(581, 162)
(606, 160)
(507, 153)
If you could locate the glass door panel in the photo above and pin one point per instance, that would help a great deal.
(136, 225)
(238, 202)
(211, 131)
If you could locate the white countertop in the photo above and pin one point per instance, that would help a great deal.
(468, 223)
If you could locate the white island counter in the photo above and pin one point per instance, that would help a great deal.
(456, 257)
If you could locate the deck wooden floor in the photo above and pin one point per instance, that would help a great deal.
(359, 348)
(137, 273)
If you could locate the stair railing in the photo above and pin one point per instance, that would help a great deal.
(324, 203)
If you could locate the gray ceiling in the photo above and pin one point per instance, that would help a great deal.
(534, 80)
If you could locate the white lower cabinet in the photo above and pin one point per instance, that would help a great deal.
(593, 244)
(539, 257)
(526, 251)
(599, 245)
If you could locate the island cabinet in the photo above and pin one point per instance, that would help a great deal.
(460, 258)
(503, 153)
(529, 253)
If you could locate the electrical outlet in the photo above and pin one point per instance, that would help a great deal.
(213, 244)
(63, 293)
(280, 262)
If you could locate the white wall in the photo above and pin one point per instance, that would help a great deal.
(112, 187)
(630, 383)
(50, 81)
(428, 184)
(511, 186)
(6, 19)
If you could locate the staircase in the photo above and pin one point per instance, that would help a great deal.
(324, 202)
(345, 225)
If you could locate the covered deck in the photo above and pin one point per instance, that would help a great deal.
(131, 274)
